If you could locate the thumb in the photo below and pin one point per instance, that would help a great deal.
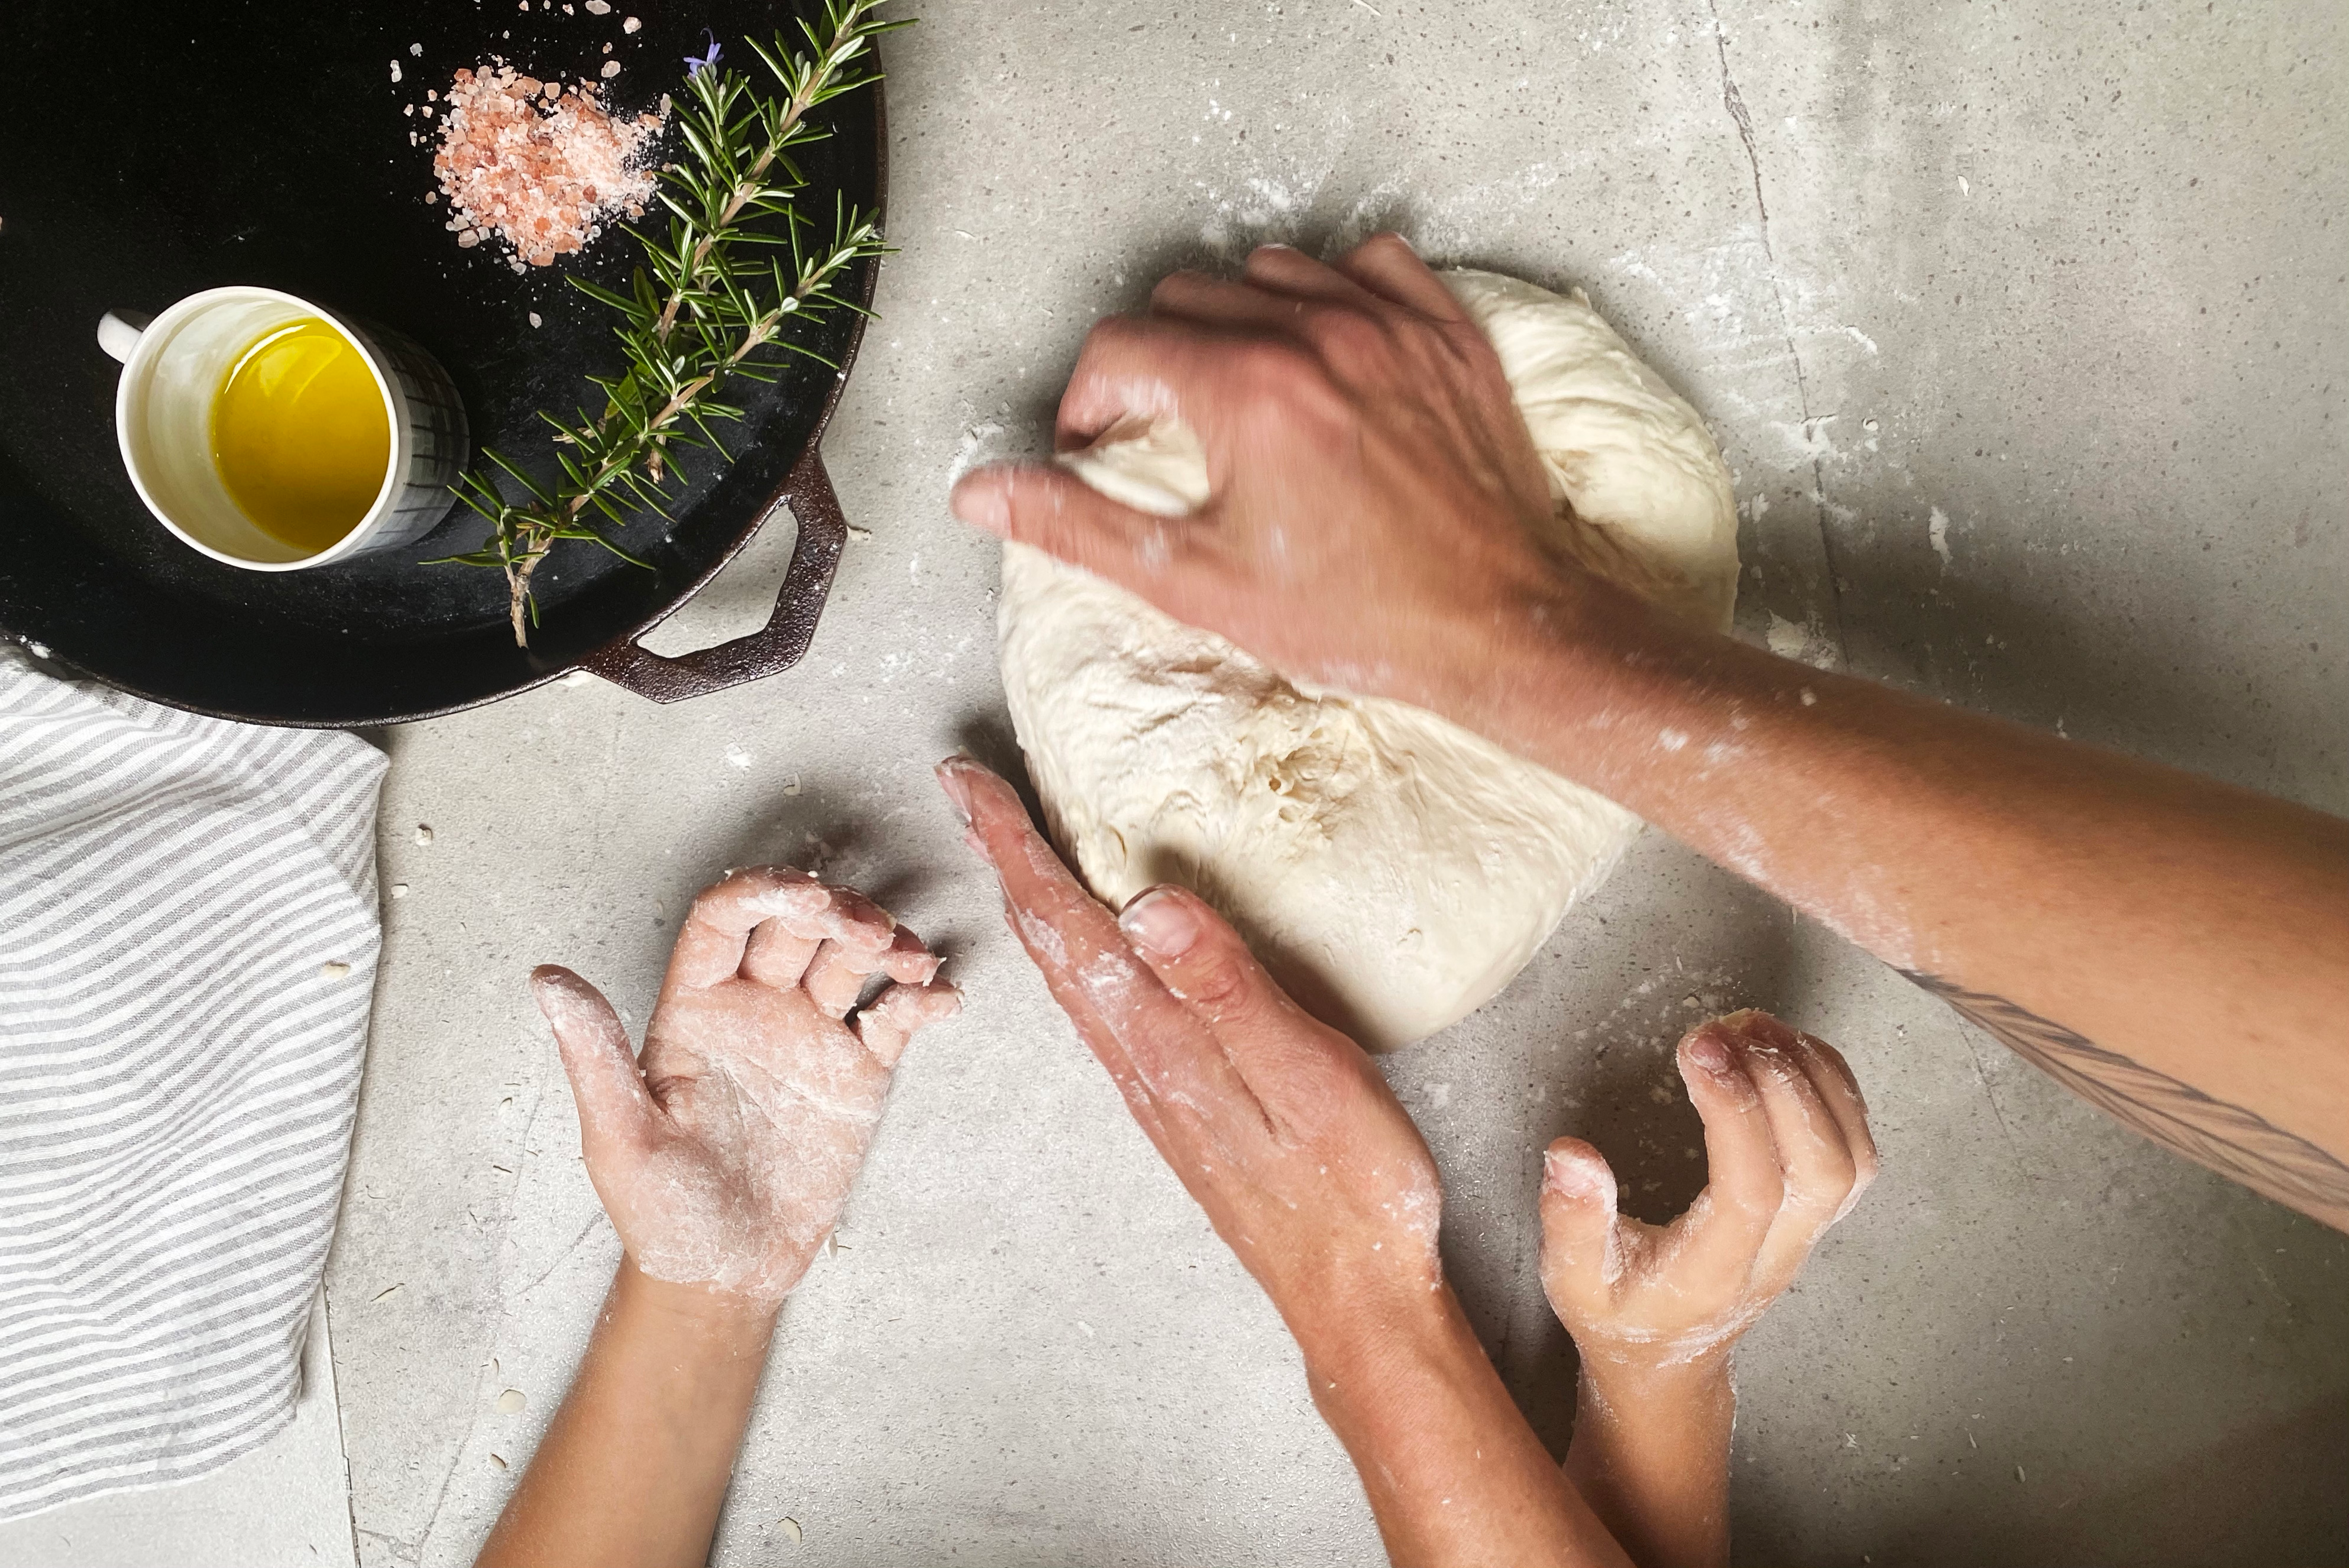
(1200, 957)
(1284, 1054)
(1579, 1226)
(1050, 508)
(616, 1112)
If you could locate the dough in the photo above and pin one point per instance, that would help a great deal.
(1394, 871)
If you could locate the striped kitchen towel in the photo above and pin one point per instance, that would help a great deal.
(188, 936)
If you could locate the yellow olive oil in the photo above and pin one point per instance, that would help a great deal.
(300, 435)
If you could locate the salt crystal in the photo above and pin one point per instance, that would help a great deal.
(607, 48)
(417, 50)
(535, 320)
(630, 26)
(432, 198)
(611, 69)
(395, 70)
(540, 174)
(332, 969)
(599, 7)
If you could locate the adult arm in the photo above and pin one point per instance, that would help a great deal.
(2169, 946)
(723, 1159)
(1291, 1141)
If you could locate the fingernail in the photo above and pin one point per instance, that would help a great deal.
(952, 780)
(1564, 1174)
(1707, 1052)
(1161, 921)
(981, 500)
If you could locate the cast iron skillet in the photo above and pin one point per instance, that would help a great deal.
(159, 148)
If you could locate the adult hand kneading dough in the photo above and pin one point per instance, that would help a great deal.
(1393, 870)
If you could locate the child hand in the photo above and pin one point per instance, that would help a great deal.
(1787, 1146)
(725, 1156)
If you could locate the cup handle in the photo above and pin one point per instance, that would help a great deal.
(119, 330)
(776, 646)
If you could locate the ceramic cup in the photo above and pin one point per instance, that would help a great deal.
(171, 370)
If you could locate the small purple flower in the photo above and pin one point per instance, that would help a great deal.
(696, 65)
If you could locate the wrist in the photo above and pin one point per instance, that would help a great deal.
(1552, 646)
(1639, 1376)
(1359, 1359)
(693, 1314)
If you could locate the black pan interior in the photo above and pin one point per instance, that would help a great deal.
(154, 151)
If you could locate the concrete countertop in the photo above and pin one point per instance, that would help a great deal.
(2023, 328)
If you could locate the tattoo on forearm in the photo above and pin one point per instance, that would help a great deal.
(2237, 1143)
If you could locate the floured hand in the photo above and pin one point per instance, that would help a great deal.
(724, 1157)
(1373, 493)
(1277, 1124)
(1787, 1146)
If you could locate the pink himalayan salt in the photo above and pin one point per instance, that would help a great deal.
(540, 174)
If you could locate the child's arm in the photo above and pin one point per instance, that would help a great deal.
(723, 1159)
(637, 1460)
(1656, 1311)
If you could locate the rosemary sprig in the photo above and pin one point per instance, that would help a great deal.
(720, 296)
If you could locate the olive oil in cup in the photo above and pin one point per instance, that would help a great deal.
(273, 434)
(301, 436)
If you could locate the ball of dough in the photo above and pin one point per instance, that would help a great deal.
(1392, 870)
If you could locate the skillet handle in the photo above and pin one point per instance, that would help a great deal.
(774, 648)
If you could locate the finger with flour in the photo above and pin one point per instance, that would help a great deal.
(711, 947)
(901, 1011)
(616, 1116)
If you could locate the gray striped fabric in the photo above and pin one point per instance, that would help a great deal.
(188, 937)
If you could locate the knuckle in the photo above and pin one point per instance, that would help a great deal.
(1271, 370)
(1221, 986)
(1176, 287)
(1765, 1195)
(1348, 336)
(1836, 1176)
(1824, 1191)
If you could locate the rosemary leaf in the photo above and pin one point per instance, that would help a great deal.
(718, 297)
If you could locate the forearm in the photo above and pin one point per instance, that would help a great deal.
(635, 1464)
(1650, 1455)
(2168, 945)
(1453, 1472)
